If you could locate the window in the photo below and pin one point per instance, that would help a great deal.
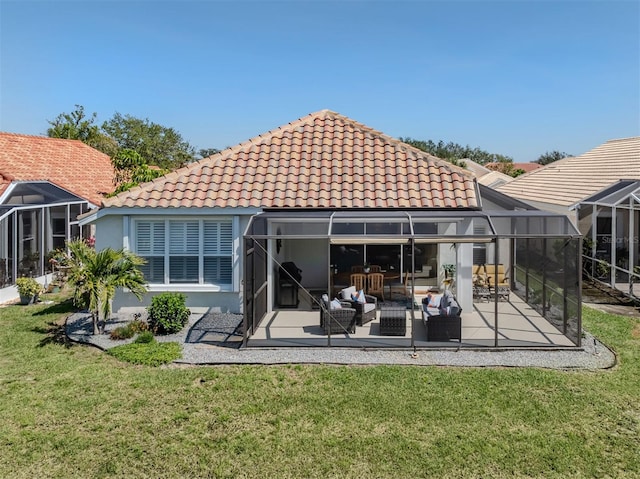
(191, 251)
(479, 249)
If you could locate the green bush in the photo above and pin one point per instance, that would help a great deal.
(122, 332)
(145, 337)
(147, 354)
(168, 313)
(28, 287)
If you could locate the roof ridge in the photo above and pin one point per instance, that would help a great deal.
(43, 137)
(621, 139)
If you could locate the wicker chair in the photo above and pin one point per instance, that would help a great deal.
(338, 321)
(365, 312)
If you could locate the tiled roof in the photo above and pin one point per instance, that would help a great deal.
(323, 160)
(69, 164)
(569, 180)
(494, 179)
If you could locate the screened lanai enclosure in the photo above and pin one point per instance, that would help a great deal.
(610, 222)
(35, 219)
(515, 275)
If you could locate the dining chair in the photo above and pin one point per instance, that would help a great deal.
(357, 269)
(400, 286)
(375, 284)
(375, 268)
(359, 280)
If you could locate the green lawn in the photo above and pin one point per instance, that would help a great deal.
(73, 411)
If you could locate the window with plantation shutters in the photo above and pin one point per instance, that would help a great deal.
(150, 244)
(217, 251)
(193, 251)
(184, 251)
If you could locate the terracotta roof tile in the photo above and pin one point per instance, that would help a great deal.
(69, 164)
(323, 160)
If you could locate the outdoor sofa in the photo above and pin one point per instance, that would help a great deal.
(441, 317)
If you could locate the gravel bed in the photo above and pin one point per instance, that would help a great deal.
(214, 338)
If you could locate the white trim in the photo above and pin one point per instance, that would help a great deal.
(167, 285)
(6, 193)
(188, 288)
(126, 243)
(46, 205)
(181, 211)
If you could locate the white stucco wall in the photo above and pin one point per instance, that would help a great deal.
(114, 231)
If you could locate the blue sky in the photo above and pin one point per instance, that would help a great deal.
(512, 77)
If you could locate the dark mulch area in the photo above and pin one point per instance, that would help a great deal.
(222, 329)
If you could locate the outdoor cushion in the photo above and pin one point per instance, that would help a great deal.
(368, 307)
(335, 304)
(347, 292)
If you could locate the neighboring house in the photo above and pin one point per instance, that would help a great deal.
(45, 184)
(486, 176)
(596, 191)
(558, 186)
(610, 222)
(328, 193)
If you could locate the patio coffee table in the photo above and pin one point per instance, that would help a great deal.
(393, 320)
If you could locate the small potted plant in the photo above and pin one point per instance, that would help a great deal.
(28, 289)
(367, 267)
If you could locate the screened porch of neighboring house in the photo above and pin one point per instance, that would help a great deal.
(536, 302)
(610, 222)
(36, 218)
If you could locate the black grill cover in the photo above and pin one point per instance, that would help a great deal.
(289, 270)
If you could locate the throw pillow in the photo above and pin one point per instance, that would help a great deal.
(362, 299)
(335, 304)
(347, 292)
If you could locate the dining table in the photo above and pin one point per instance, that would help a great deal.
(344, 277)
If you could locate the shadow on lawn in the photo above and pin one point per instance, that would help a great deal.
(54, 331)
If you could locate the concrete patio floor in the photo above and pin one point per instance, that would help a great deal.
(519, 326)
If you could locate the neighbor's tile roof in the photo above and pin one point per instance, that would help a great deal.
(323, 160)
(69, 164)
(569, 180)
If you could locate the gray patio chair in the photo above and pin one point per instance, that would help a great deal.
(338, 321)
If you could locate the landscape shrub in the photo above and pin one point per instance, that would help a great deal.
(145, 337)
(168, 313)
(138, 326)
(122, 332)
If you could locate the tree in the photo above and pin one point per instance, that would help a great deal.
(97, 275)
(157, 144)
(454, 152)
(206, 152)
(506, 166)
(77, 126)
(131, 170)
(551, 156)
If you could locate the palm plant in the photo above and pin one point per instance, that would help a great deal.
(97, 275)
